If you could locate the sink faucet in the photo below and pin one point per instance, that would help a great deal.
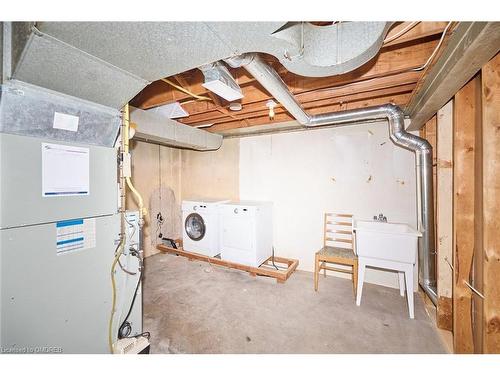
(380, 217)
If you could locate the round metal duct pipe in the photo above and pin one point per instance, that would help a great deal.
(273, 83)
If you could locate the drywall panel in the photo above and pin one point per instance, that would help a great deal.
(354, 169)
(155, 174)
(211, 174)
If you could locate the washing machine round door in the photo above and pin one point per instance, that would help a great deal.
(195, 227)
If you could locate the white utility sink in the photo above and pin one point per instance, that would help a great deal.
(390, 241)
(387, 245)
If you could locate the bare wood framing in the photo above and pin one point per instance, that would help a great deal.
(387, 78)
(389, 62)
(398, 99)
(477, 262)
(431, 136)
(491, 204)
(470, 47)
(370, 88)
(466, 124)
(444, 216)
(422, 30)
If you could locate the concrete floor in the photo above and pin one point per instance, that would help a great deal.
(194, 307)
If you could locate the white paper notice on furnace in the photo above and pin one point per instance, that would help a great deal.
(65, 170)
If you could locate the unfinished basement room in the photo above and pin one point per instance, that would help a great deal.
(250, 187)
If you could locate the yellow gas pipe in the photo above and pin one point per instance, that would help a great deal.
(119, 250)
(140, 202)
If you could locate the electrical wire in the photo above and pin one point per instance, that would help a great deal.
(125, 270)
(125, 324)
(159, 216)
(403, 31)
(131, 226)
(119, 249)
(140, 202)
(435, 49)
(272, 261)
(118, 252)
(185, 91)
(130, 240)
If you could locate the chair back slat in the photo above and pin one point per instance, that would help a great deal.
(338, 230)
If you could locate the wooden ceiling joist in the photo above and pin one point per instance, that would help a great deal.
(316, 99)
(282, 116)
(389, 76)
(420, 31)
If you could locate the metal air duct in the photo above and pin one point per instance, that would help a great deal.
(273, 83)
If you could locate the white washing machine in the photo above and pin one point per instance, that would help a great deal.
(200, 226)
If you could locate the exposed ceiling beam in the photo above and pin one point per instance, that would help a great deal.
(281, 116)
(420, 31)
(471, 46)
(389, 76)
(315, 97)
(389, 61)
(391, 68)
(324, 106)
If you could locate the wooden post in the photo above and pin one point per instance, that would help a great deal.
(477, 260)
(431, 136)
(467, 123)
(444, 216)
(491, 205)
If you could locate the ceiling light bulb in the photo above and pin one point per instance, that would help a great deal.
(235, 106)
(271, 104)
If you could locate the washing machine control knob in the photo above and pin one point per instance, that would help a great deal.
(235, 210)
(194, 208)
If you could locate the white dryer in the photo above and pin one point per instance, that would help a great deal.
(200, 226)
(246, 232)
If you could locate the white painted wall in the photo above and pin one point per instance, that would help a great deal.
(355, 169)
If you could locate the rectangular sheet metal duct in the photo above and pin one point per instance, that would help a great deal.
(155, 129)
(30, 110)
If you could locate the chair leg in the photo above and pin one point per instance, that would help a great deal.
(324, 270)
(401, 276)
(361, 279)
(355, 276)
(316, 271)
(409, 291)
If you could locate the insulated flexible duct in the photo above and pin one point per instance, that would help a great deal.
(273, 83)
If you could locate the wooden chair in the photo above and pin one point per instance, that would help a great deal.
(338, 248)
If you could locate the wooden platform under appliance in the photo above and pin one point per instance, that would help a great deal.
(266, 269)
